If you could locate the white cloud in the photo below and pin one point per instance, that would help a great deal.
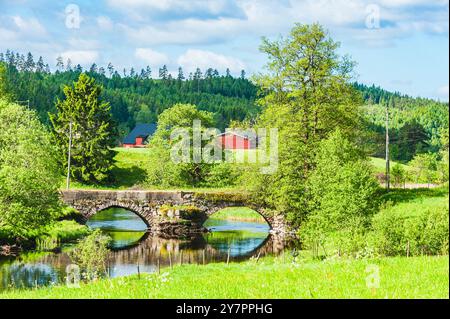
(166, 5)
(192, 59)
(407, 3)
(151, 57)
(443, 92)
(346, 18)
(177, 9)
(188, 31)
(29, 26)
(82, 57)
(7, 35)
(86, 44)
(104, 23)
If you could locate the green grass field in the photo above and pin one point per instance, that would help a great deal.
(238, 214)
(129, 173)
(129, 170)
(379, 165)
(420, 198)
(273, 277)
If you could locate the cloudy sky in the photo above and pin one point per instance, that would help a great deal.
(401, 45)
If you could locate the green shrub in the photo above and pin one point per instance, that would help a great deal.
(343, 197)
(399, 175)
(91, 254)
(397, 231)
(222, 174)
(29, 172)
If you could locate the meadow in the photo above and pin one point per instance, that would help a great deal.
(129, 171)
(238, 214)
(273, 277)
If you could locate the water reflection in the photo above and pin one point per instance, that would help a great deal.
(236, 238)
(227, 240)
(124, 227)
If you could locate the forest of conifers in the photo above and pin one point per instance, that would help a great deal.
(139, 96)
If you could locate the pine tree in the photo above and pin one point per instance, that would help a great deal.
(142, 75)
(69, 65)
(110, 69)
(93, 68)
(20, 62)
(59, 63)
(197, 77)
(29, 64)
(180, 76)
(40, 66)
(209, 73)
(93, 130)
(163, 72)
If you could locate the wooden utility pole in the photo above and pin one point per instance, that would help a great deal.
(68, 156)
(388, 169)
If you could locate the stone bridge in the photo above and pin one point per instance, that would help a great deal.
(168, 213)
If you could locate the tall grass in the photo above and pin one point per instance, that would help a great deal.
(280, 277)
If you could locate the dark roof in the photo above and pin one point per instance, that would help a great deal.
(141, 130)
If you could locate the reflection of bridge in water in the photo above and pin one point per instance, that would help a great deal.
(148, 255)
(164, 252)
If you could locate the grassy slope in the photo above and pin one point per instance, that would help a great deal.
(129, 170)
(420, 204)
(130, 173)
(239, 214)
(130, 163)
(417, 199)
(419, 277)
(379, 165)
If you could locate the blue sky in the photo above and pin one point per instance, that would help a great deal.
(401, 45)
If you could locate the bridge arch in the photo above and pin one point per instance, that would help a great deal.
(257, 210)
(148, 204)
(135, 210)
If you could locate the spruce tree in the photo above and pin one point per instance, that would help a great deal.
(93, 131)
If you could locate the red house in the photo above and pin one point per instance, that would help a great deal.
(236, 141)
(139, 135)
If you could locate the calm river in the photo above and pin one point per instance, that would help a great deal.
(134, 248)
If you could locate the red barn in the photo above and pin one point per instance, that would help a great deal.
(236, 141)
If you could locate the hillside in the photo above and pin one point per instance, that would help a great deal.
(137, 97)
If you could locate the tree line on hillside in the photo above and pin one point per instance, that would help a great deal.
(135, 97)
(416, 124)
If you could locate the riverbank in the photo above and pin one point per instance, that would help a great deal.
(273, 277)
(45, 238)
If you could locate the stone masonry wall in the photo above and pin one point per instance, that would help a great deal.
(161, 210)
